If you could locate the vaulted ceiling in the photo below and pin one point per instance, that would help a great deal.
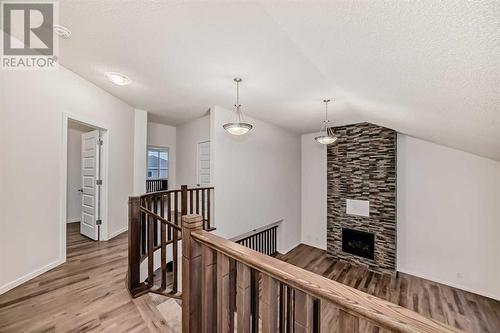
(430, 69)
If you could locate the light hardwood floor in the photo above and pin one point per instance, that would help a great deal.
(88, 294)
(85, 294)
(467, 311)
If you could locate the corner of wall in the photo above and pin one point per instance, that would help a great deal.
(25, 278)
(140, 151)
(313, 199)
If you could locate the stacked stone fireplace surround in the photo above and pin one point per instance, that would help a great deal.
(362, 166)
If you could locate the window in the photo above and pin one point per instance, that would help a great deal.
(157, 163)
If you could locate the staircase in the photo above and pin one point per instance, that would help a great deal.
(155, 239)
(229, 287)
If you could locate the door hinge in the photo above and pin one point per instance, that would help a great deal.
(99, 142)
(98, 182)
(98, 222)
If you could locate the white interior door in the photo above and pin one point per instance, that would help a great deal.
(90, 189)
(203, 164)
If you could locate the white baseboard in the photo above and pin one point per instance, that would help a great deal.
(290, 248)
(76, 219)
(446, 283)
(11, 285)
(312, 244)
(116, 233)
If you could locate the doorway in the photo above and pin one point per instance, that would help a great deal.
(85, 175)
(203, 164)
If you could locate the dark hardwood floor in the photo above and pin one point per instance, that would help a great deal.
(85, 294)
(464, 310)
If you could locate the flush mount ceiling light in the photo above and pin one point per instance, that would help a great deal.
(326, 136)
(118, 78)
(238, 127)
(62, 31)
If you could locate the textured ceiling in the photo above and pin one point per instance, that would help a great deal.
(430, 69)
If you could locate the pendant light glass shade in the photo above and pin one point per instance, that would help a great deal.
(326, 136)
(239, 126)
(325, 140)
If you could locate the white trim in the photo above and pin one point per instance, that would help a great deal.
(63, 180)
(312, 244)
(198, 162)
(73, 220)
(116, 233)
(105, 137)
(63, 189)
(290, 248)
(454, 285)
(158, 148)
(8, 286)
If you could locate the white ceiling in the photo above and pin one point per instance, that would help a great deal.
(430, 68)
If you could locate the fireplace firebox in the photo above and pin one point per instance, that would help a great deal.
(359, 243)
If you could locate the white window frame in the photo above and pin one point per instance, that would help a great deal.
(157, 149)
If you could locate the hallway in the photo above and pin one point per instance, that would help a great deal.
(85, 294)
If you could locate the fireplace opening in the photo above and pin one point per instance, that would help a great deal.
(359, 243)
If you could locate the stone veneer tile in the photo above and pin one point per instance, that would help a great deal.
(362, 165)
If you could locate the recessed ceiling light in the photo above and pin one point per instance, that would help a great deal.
(118, 78)
(61, 31)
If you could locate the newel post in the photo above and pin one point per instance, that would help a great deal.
(134, 255)
(191, 274)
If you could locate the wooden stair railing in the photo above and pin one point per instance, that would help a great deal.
(263, 239)
(155, 225)
(156, 185)
(258, 293)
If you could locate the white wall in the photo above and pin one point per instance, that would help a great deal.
(140, 150)
(32, 167)
(448, 212)
(313, 203)
(448, 216)
(160, 135)
(74, 176)
(256, 179)
(188, 137)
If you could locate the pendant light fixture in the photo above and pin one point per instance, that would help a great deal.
(238, 127)
(326, 135)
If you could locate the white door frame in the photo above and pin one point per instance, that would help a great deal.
(198, 162)
(103, 232)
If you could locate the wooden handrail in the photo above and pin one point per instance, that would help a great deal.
(176, 190)
(161, 219)
(154, 226)
(354, 302)
(263, 239)
(255, 231)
